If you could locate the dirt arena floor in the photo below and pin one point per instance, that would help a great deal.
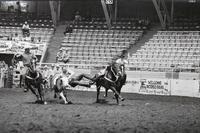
(137, 114)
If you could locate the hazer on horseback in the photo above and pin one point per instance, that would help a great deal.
(112, 77)
(109, 77)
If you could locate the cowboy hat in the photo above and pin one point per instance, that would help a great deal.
(57, 65)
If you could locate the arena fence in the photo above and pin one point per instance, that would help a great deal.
(170, 83)
(186, 84)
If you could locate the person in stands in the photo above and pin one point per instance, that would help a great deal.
(25, 29)
(66, 56)
(68, 29)
(59, 55)
(77, 17)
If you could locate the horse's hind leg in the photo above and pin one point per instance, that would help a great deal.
(117, 98)
(98, 91)
(106, 92)
(41, 93)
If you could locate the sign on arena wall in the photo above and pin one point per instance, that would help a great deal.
(147, 86)
(11, 47)
(155, 87)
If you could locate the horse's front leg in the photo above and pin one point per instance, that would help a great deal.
(117, 98)
(33, 90)
(66, 101)
(41, 93)
(25, 83)
(106, 92)
(98, 91)
(117, 93)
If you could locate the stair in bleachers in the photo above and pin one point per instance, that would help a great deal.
(94, 46)
(91, 43)
(54, 44)
(148, 34)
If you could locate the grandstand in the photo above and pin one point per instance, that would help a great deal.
(99, 46)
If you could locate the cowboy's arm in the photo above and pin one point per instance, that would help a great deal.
(126, 62)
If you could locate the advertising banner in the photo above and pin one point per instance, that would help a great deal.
(155, 86)
(11, 47)
(147, 86)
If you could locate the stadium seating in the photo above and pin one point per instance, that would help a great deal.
(169, 49)
(90, 46)
(92, 43)
(185, 24)
(40, 28)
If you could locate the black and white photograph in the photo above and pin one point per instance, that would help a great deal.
(99, 66)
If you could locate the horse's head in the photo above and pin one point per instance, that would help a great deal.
(32, 65)
(116, 68)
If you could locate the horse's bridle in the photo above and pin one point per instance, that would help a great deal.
(114, 73)
(30, 69)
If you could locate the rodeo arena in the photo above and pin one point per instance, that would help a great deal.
(100, 66)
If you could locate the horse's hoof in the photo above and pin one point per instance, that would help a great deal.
(25, 90)
(122, 99)
(45, 103)
(69, 102)
(37, 101)
(97, 101)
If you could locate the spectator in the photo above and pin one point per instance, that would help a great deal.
(77, 17)
(21, 81)
(59, 55)
(51, 75)
(2, 76)
(10, 77)
(57, 70)
(3, 79)
(68, 29)
(25, 29)
(66, 56)
(46, 74)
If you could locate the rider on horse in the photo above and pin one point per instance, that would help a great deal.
(120, 61)
(26, 57)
